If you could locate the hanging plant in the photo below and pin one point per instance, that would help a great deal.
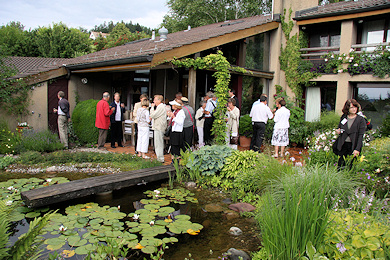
(291, 62)
(219, 63)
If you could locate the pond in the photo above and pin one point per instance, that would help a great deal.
(211, 212)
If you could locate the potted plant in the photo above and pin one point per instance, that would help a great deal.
(23, 126)
(245, 130)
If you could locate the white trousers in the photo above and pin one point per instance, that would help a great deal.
(143, 139)
(200, 135)
(159, 145)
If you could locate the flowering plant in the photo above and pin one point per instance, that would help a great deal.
(23, 124)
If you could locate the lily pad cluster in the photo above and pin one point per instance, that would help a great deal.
(85, 225)
(165, 195)
(157, 219)
(10, 192)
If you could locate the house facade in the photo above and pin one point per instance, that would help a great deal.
(254, 43)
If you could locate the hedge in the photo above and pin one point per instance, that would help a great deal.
(83, 119)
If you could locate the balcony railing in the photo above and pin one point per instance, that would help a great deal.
(319, 51)
(360, 48)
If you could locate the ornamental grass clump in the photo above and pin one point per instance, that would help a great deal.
(296, 209)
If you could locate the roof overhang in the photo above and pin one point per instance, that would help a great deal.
(47, 75)
(195, 47)
(131, 63)
(346, 15)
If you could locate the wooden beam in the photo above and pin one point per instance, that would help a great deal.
(44, 76)
(115, 67)
(210, 43)
(81, 188)
(192, 87)
(343, 17)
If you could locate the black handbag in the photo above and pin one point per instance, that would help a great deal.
(168, 131)
(334, 146)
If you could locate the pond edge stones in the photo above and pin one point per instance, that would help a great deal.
(234, 254)
(235, 231)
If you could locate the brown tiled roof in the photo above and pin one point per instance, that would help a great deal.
(142, 48)
(147, 47)
(27, 66)
(344, 7)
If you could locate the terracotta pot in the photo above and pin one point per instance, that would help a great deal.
(245, 141)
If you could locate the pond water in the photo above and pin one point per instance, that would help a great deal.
(213, 240)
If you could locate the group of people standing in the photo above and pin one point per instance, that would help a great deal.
(260, 114)
(178, 121)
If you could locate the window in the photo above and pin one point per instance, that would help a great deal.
(327, 35)
(374, 100)
(376, 31)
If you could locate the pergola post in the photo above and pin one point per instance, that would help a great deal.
(192, 87)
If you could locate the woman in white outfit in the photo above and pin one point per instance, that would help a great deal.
(280, 134)
(177, 122)
(199, 117)
(143, 129)
(233, 118)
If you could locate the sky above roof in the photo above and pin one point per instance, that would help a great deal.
(82, 13)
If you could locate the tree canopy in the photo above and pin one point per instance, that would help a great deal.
(202, 12)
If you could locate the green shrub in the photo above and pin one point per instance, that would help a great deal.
(209, 159)
(44, 141)
(353, 235)
(83, 119)
(329, 120)
(385, 128)
(295, 210)
(8, 139)
(245, 126)
(31, 157)
(6, 161)
(297, 132)
(265, 170)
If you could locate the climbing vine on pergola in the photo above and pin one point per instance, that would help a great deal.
(223, 68)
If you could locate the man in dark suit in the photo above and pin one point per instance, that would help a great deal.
(232, 94)
(63, 118)
(116, 119)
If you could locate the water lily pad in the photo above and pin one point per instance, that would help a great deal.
(131, 224)
(161, 222)
(85, 249)
(148, 249)
(152, 206)
(68, 253)
(33, 214)
(53, 247)
(167, 210)
(54, 241)
(182, 217)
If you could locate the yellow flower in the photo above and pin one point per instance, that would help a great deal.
(362, 158)
(193, 232)
(138, 246)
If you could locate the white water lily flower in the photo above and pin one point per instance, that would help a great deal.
(10, 188)
(156, 191)
(49, 180)
(136, 216)
(62, 228)
(9, 202)
(119, 206)
(151, 223)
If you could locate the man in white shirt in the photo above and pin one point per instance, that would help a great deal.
(158, 115)
(209, 118)
(116, 119)
(260, 113)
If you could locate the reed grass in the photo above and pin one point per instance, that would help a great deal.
(295, 209)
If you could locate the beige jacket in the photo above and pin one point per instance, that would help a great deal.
(136, 107)
(233, 121)
(159, 117)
